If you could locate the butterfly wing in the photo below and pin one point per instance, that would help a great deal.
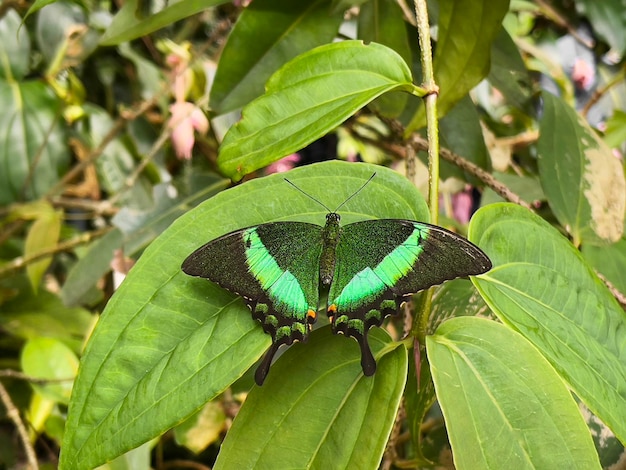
(381, 262)
(275, 268)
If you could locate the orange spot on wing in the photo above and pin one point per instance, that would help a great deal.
(311, 315)
(332, 309)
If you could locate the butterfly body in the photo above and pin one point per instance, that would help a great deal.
(369, 268)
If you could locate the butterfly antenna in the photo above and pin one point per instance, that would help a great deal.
(308, 195)
(324, 205)
(357, 191)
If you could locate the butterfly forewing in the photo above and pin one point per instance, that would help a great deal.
(381, 262)
(275, 268)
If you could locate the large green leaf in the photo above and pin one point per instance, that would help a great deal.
(167, 343)
(317, 408)
(582, 179)
(267, 34)
(131, 22)
(609, 261)
(462, 56)
(504, 405)
(308, 97)
(541, 286)
(33, 148)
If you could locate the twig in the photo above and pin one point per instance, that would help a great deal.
(621, 298)
(103, 208)
(13, 374)
(550, 13)
(524, 138)
(419, 143)
(22, 261)
(476, 171)
(599, 93)
(14, 415)
(37, 157)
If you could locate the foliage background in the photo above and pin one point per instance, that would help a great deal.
(94, 164)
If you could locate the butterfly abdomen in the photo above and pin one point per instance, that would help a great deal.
(330, 239)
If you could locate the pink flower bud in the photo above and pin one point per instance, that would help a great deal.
(186, 118)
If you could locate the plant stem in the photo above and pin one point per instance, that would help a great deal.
(14, 415)
(430, 100)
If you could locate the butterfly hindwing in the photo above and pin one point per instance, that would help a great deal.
(275, 268)
(380, 262)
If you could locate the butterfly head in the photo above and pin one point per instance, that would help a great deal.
(332, 218)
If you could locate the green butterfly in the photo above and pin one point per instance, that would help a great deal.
(369, 268)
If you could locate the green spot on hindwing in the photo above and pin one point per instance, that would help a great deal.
(356, 324)
(298, 327)
(283, 331)
(271, 320)
(389, 304)
(261, 308)
(375, 314)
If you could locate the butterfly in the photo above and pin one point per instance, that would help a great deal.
(369, 268)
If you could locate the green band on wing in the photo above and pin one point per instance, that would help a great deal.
(281, 286)
(367, 284)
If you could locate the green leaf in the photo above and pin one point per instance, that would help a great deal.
(30, 316)
(607, 19)
(202, 428)
(308, 97)
(90, 268)
(615, 134)
(462, 56)
(116, 163)
(382, 21)
(525, 186)
(504, 405)
(462, 133)
(541, 286)
(14, 47)
(48, 358)
(131, 22)
(167, 343)
(456, 298)
(56, 24)
(609, 261)
(349, 423)
(267, 34)
(583, 181)
(33, 144)
(508, 72)
(43, 235)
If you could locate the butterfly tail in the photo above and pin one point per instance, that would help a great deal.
(368, 363)
(264, 367)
